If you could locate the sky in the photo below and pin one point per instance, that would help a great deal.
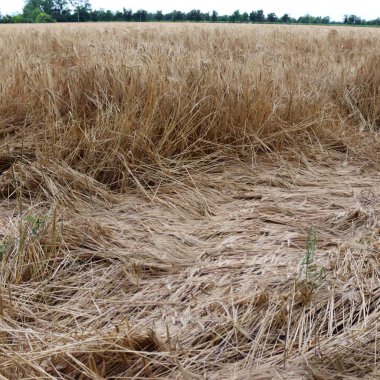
(336, 9)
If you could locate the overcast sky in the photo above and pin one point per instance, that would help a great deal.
(336, 9)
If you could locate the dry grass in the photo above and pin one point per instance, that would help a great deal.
(159, 184)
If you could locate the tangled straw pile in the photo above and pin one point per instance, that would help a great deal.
(159, 186)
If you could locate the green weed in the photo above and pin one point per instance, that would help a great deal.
(310, 270)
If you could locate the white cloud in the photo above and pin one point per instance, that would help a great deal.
(368, 9)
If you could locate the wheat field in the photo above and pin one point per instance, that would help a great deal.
(188, 201)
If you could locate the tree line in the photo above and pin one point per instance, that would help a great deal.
(43, 11)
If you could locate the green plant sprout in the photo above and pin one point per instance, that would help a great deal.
(310, 270)
(35, 224)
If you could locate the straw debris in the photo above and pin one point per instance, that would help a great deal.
(189, 202)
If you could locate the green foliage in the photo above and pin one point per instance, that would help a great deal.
(33, 14)
(352, 19)
(257, 16)
(245, 17)
(308, 19)
(34, 223)
(127, 14)
(44, 18)
(33, 7)
(285, 18)
(214, 16)
(272, 17)
(18, 19)
(60, 6)
(158, 16)
(236, 16)
(80, 10)
(7, 19)
(194, 15)
(140, 15)
(310, 270)
(260, 16)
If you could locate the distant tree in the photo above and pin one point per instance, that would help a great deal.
(60, 10)
(118, 16)
(18, 19)
(236, 16)
(257, 16)
(206, 16)
(214, 16)
(82, 9)
(224, 18)
(253, 16)
(326, 20)
(59, 6)
(271, 17)
(127, 14)
(101, 15)
(44, 18)
(140, 15)
(96, 15)
(352, 19)
(307, 19)
(178, 16)
(194, 15)
(32, 8)
(374, 22)
(285, 18)
(158, 16)
(7, 19)
(260, 16)
(107, 16)
(167, 16)
(32, 16)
